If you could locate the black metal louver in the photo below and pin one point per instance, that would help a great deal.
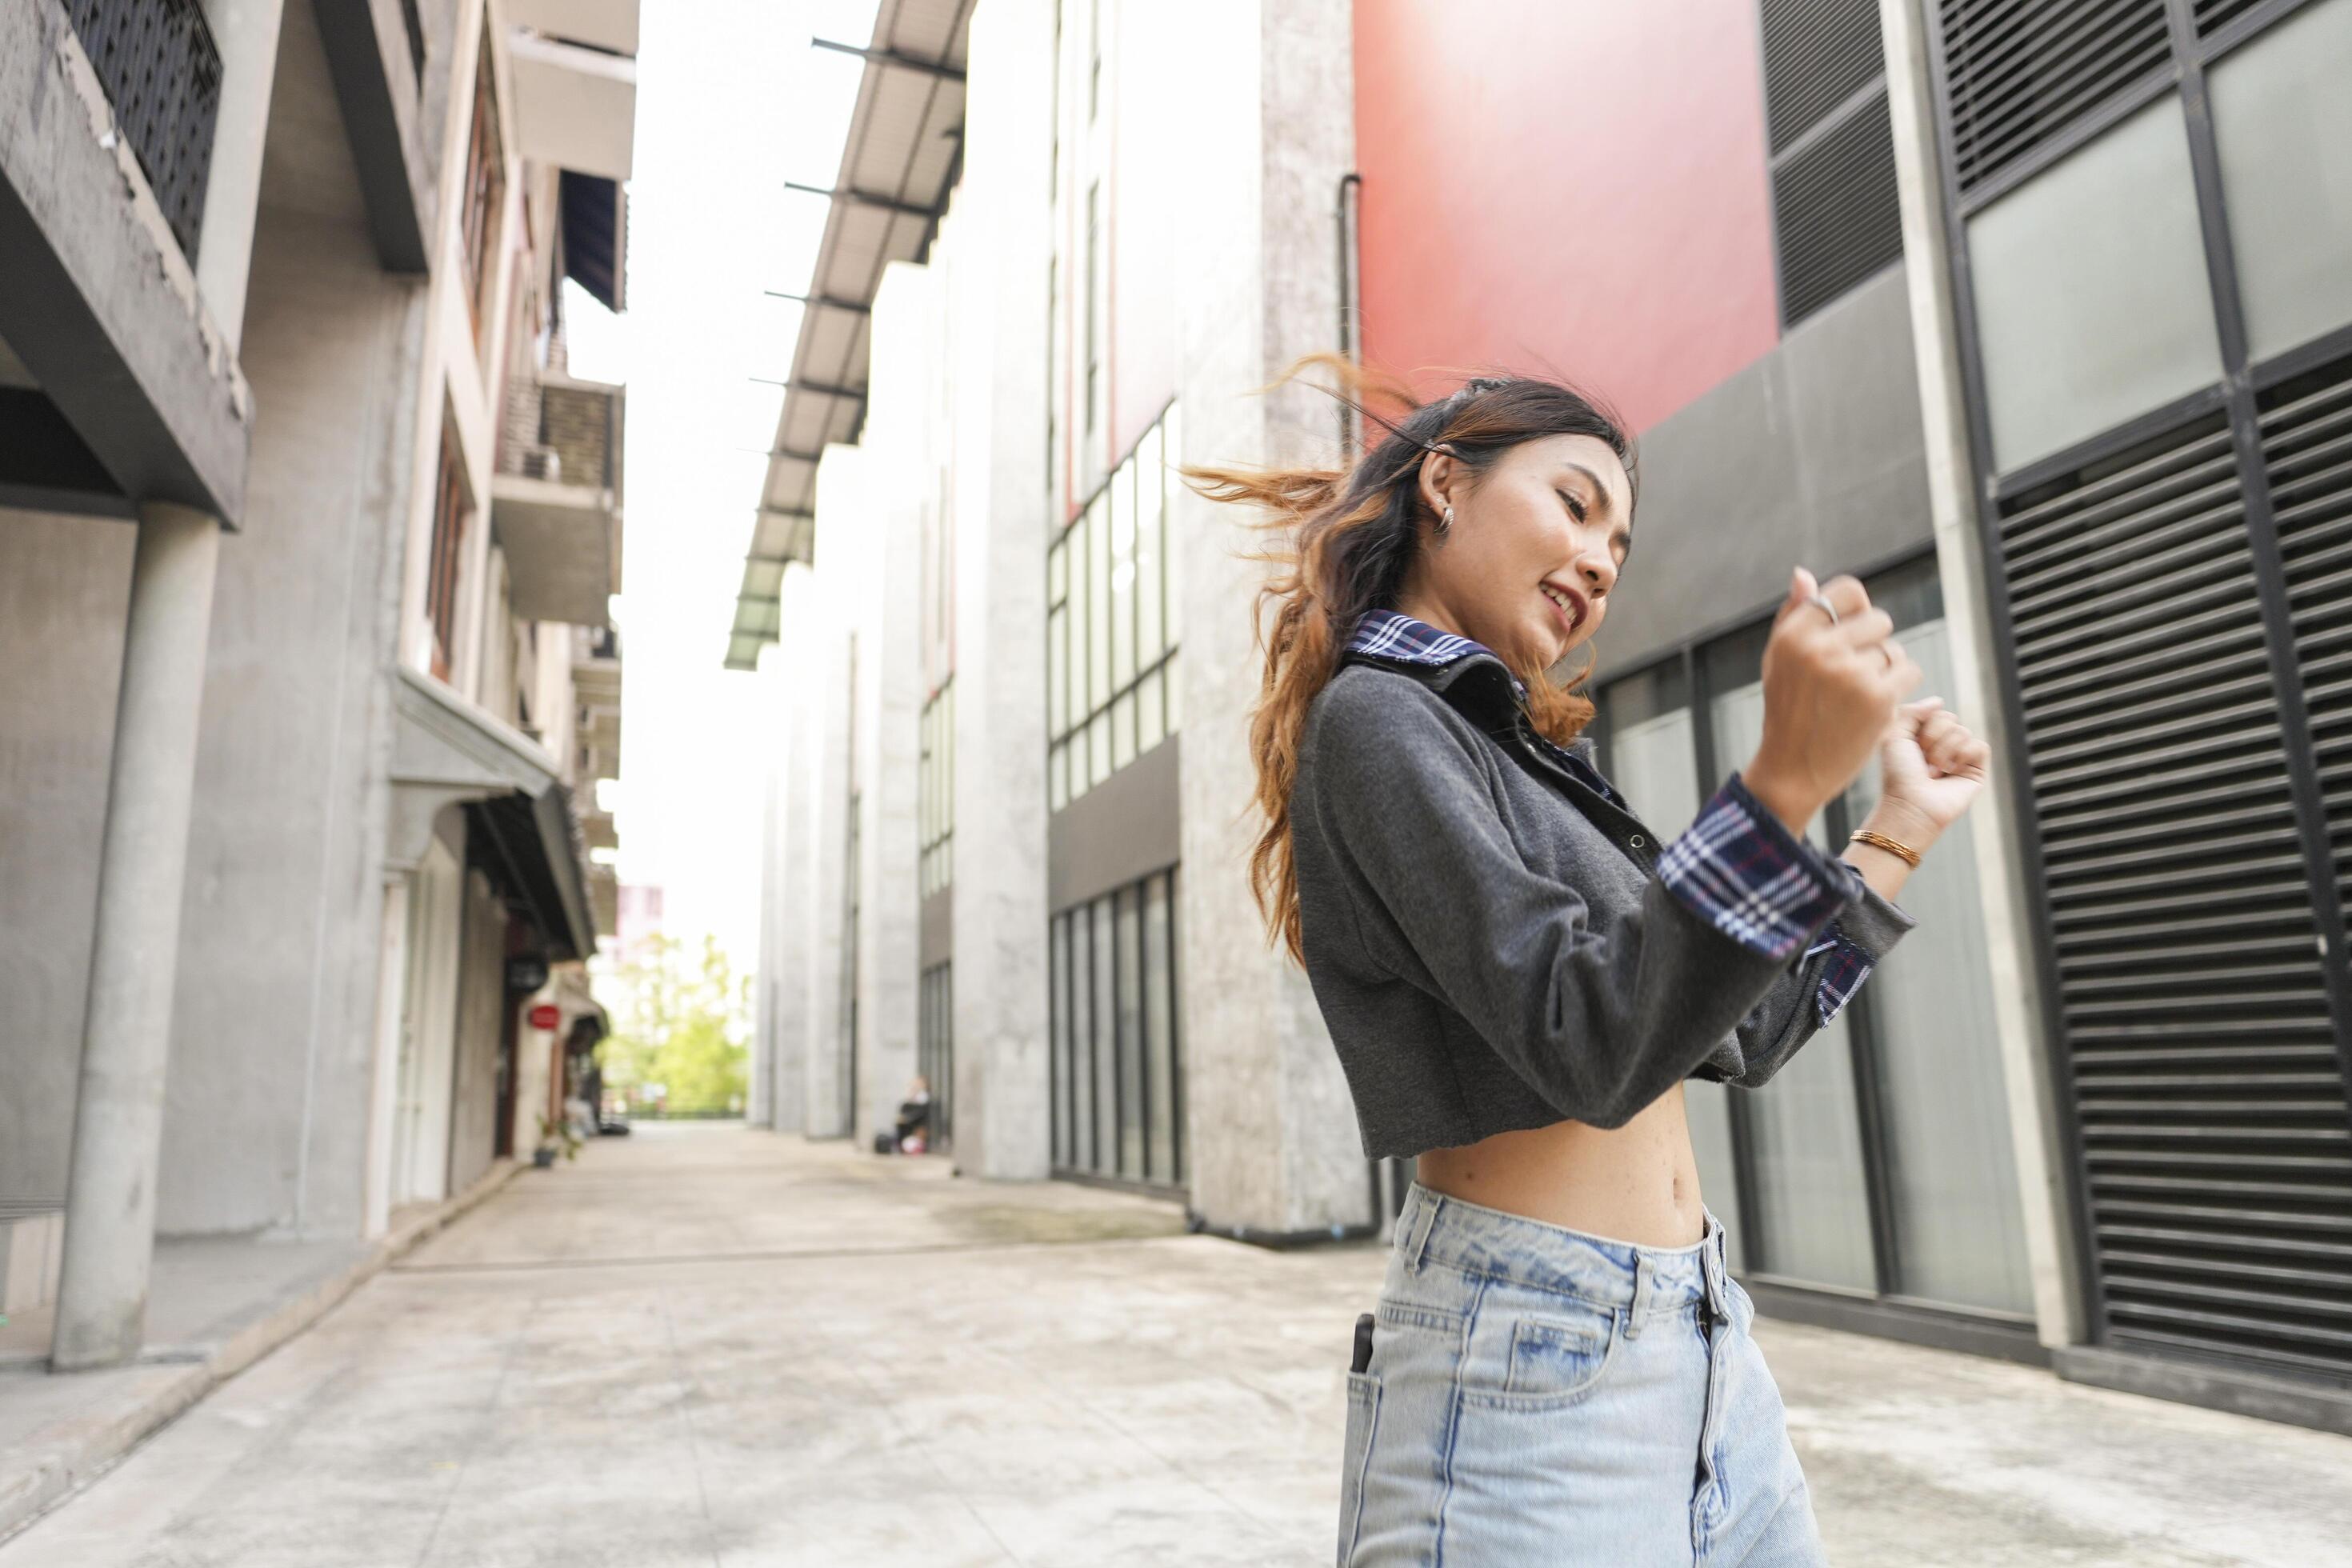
(2213, 15)
(2216, 1145)
(2307, 435)
(1817, 55)
(1835, 216)
(2019, 71)
(1836, 211)
(162, 74)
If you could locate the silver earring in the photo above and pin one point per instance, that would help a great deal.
(1445, 523)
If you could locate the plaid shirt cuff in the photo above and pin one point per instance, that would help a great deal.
(1741, 870)
(1848, 967)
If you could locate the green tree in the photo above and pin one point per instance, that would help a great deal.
(680, 1031)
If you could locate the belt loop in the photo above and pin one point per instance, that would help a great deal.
(1424, 1218)
(1640, 1292)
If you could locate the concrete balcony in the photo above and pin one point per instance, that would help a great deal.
(555, 500)
(576, 79)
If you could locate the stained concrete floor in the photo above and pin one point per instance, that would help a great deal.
(708, 1345)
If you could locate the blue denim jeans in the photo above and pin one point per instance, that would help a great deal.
(1538, 1395)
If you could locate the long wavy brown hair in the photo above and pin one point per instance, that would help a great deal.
(1345, 540)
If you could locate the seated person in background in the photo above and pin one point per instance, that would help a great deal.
(915, 1117)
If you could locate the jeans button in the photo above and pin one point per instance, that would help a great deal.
(1637, 841)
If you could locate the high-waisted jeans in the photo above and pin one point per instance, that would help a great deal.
(1540, 1395)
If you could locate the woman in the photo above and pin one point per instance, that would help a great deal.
(1518, 978)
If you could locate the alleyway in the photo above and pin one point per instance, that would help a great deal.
(706, 1345)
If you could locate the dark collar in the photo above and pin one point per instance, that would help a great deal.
(1467, 673)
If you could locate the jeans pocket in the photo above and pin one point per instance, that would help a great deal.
(1550, 1360)
(1356, 1454)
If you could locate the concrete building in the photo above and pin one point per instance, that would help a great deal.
(299, 810)
(1952, 302)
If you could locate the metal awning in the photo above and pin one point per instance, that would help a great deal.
(446, 751)
(596, 236)
(902, 156)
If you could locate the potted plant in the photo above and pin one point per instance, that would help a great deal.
(554, 1137)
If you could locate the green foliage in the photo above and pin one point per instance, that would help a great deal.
(680, 1033)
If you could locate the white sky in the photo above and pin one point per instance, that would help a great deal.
(731, 103)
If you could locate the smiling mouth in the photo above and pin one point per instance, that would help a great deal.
(1570, 608)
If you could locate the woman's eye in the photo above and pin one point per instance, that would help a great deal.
(1574, 505)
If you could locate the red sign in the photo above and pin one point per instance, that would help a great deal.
(546, 1015)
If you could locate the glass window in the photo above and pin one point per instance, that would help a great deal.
(1065, 1144)
(1098, 747)
(1812, 1199)
(1122, 576)
(1057, 573)
(1172, 447)
(1122, 732)
(1080, 609)
(1128, 904)
(1151, 714)
(1057, 788)
(1057, 672)
(1174, 686)
(1082, 1037)
(1106, 1038)
(1098, 681)
(1953, 1175)
(1150, 509)
(2090, 294)
(1158, 1037)
(2280, 101)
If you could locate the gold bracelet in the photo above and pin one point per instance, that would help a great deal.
(1864, 836)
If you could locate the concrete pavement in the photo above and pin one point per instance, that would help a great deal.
(708, 1345)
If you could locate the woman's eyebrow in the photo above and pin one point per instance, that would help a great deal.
(1593, 479)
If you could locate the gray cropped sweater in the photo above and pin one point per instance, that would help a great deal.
(1491, 940)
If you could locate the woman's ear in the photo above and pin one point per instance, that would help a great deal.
(1439, 473)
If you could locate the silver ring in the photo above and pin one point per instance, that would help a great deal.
(1824, 603)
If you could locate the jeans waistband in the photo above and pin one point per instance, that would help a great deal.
(1435, 1227)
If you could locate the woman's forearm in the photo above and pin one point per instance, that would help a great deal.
(1884, 870)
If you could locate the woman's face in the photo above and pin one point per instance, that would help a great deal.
(1535, 548)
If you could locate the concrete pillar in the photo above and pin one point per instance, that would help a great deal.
(384, 1093)
(901, 480)
(2034, 1131)
(997, 318)
(119, 1116)
(759, 1101)
(788, 870)
(1272, 1140)
(841, 521)
(246, 34)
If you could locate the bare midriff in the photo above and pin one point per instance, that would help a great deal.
(1638, 1183)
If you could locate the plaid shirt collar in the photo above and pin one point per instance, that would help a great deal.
(1391, 635)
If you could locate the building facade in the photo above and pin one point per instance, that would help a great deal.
(306, 543)
(2035, 321)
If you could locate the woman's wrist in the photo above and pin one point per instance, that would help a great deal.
(1904, 822)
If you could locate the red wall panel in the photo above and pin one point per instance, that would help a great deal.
(1569, 186)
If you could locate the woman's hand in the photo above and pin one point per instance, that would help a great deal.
(1830, 692)
(1930, 769)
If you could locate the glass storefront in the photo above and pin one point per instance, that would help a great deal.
(1117, 1037)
